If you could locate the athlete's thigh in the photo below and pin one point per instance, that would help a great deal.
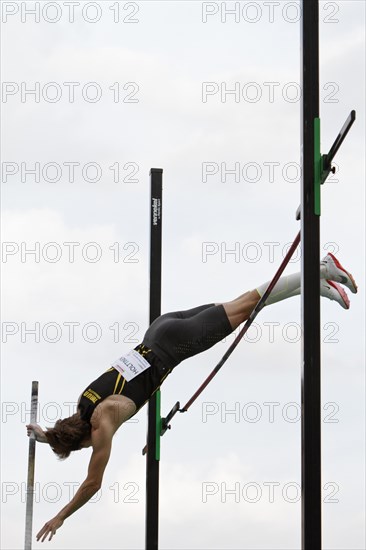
(181, 338)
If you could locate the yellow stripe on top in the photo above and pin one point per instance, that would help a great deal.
(118, 379)
(123, 385)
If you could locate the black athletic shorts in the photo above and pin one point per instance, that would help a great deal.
(176, 336)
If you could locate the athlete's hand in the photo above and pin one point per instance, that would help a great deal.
(50, 528)
(37, 431)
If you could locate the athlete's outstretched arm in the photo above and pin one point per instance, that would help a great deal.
(102, 444)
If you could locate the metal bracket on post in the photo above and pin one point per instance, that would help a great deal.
(327, 159)
(162, 425)
(324, 164)
(165, 421)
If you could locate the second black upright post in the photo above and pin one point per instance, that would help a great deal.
(310, 239)
(153, 434)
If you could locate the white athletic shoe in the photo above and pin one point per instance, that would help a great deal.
(331, 269)
(334, 291)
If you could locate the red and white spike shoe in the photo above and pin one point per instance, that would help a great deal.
(334, 291)
(331, 269)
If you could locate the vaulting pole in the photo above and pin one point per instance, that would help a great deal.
(31, 465)
(310, 238)
(259, 306)
(154, 423)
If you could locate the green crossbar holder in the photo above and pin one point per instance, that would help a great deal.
(158, 421)
(323, 163)
(318, 166)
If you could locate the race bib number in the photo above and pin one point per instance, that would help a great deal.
(131, 365)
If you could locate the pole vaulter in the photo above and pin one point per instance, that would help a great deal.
(133, 378)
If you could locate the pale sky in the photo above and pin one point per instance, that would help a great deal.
(213, 98)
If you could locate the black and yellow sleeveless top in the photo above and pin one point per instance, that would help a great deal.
(111, 382)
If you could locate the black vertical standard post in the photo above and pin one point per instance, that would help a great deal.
(153, 434)
(310, 238)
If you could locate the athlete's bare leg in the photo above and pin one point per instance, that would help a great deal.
(238, 310)
(332, 272)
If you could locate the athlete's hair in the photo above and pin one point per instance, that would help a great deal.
(67, 435)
